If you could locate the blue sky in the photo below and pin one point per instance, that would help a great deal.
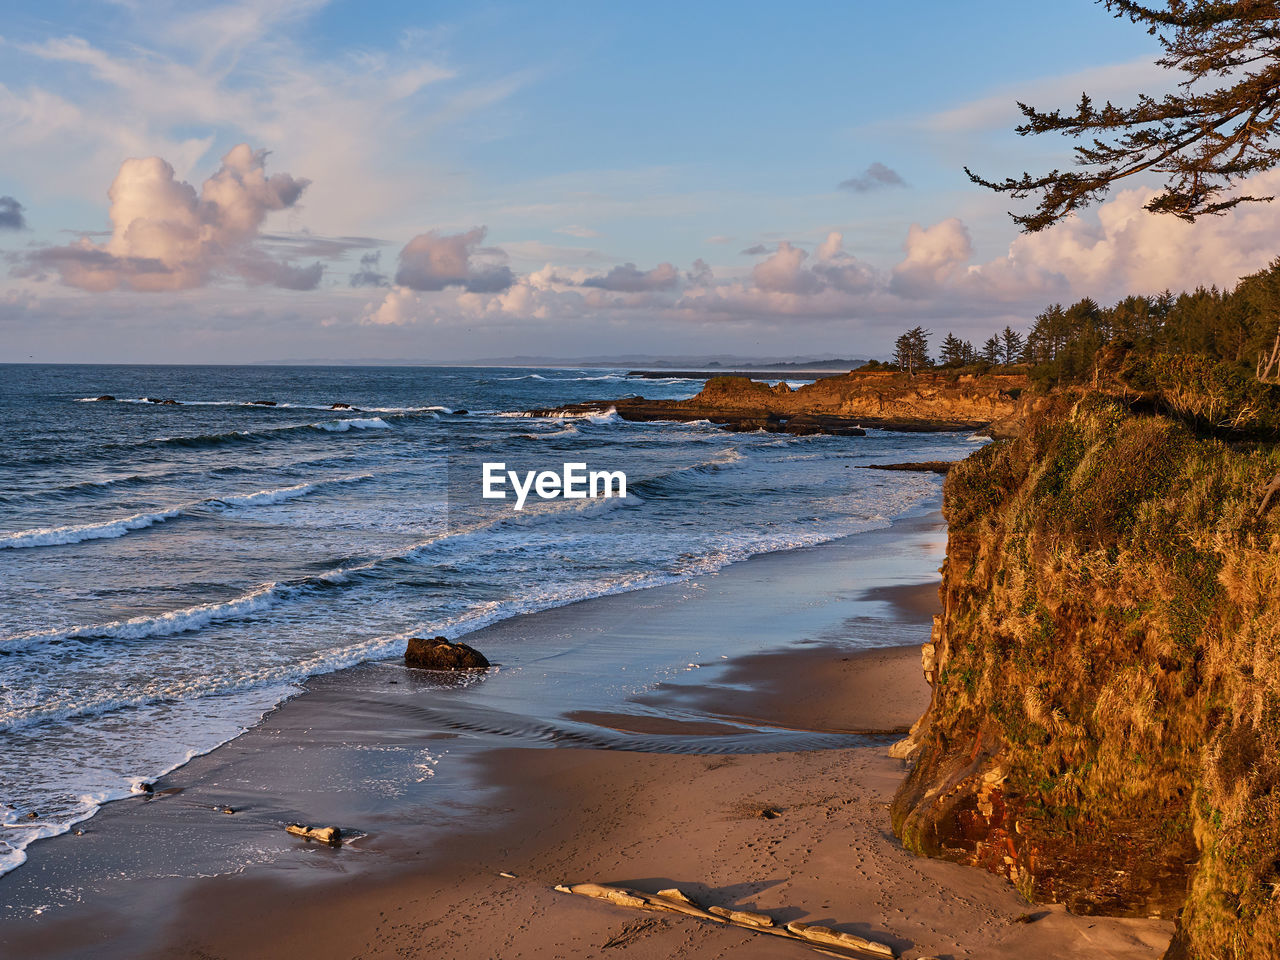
(499, 164)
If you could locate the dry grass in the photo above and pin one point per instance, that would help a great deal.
(1112, 640)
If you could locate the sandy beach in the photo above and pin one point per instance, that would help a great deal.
(758, 781)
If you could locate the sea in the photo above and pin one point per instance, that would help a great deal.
(170, 572)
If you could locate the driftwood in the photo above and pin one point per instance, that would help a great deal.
(1269, 366)
(823, 939)
(1269, 491)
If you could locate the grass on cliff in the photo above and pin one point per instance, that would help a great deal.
(1116, 616)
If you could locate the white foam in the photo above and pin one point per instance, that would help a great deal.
(367, 423)
(77, 533)
(136, 628)
(109, 529)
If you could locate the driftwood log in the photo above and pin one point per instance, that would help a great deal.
(823, 939)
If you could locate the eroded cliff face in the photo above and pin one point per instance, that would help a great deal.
(926, 396)
(1106, 684)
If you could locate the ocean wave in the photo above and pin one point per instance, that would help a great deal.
(605, 416)
(341, 426)
(568, 430)
(110, 529)
(267, 433)
(78, 533)
(274, 405)
(166, 624)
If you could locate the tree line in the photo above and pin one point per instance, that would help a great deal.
(1237, 325)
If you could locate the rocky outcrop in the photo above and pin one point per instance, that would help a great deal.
(1104, 728)
(440, 654)
(922, 466)
(838, 405)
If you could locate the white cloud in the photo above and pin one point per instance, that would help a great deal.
(434, 261)
(165, 236)
(934, 255)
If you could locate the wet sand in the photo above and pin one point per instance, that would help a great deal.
(649, 784)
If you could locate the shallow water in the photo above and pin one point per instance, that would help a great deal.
(170, 572)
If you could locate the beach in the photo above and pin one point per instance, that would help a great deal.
(755, 777)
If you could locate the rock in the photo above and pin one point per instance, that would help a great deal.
(904, 749)
(227, 810)
(329, 835)
(924, 466)
(743, 917)
(262, 403)
(105, 396)
(439, 654)
(339, 406)
(167, 403)
(461, 413)
(33, 815)
(749, 425)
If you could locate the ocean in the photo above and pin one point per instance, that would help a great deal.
(171, 572)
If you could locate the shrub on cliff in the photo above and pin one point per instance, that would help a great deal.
(1207, 393)
(1105, 723)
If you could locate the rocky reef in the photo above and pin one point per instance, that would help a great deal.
(932, 401)
(1104, 727)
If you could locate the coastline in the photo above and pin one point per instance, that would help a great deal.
(642, 782)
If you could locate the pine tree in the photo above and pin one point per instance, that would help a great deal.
(1011, 345)
(912, 351)
(991, 350)
(952, 351)
(1216, 130)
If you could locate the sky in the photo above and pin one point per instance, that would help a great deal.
(304, 180)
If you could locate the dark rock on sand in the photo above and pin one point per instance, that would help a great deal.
(439, 654)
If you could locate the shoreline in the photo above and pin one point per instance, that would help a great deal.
(631, 782)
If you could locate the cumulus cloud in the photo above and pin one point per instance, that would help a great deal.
(934, 255)
(875, 177)
(369, 274)
(784, 271)
(434, 261)
(166, 236)
(1117, 249)
(627, 278)
(787, 270)
(11, 217)
(700, 274)
(755, 250)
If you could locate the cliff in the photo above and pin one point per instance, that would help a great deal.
(927, 401)
(1105, 719)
